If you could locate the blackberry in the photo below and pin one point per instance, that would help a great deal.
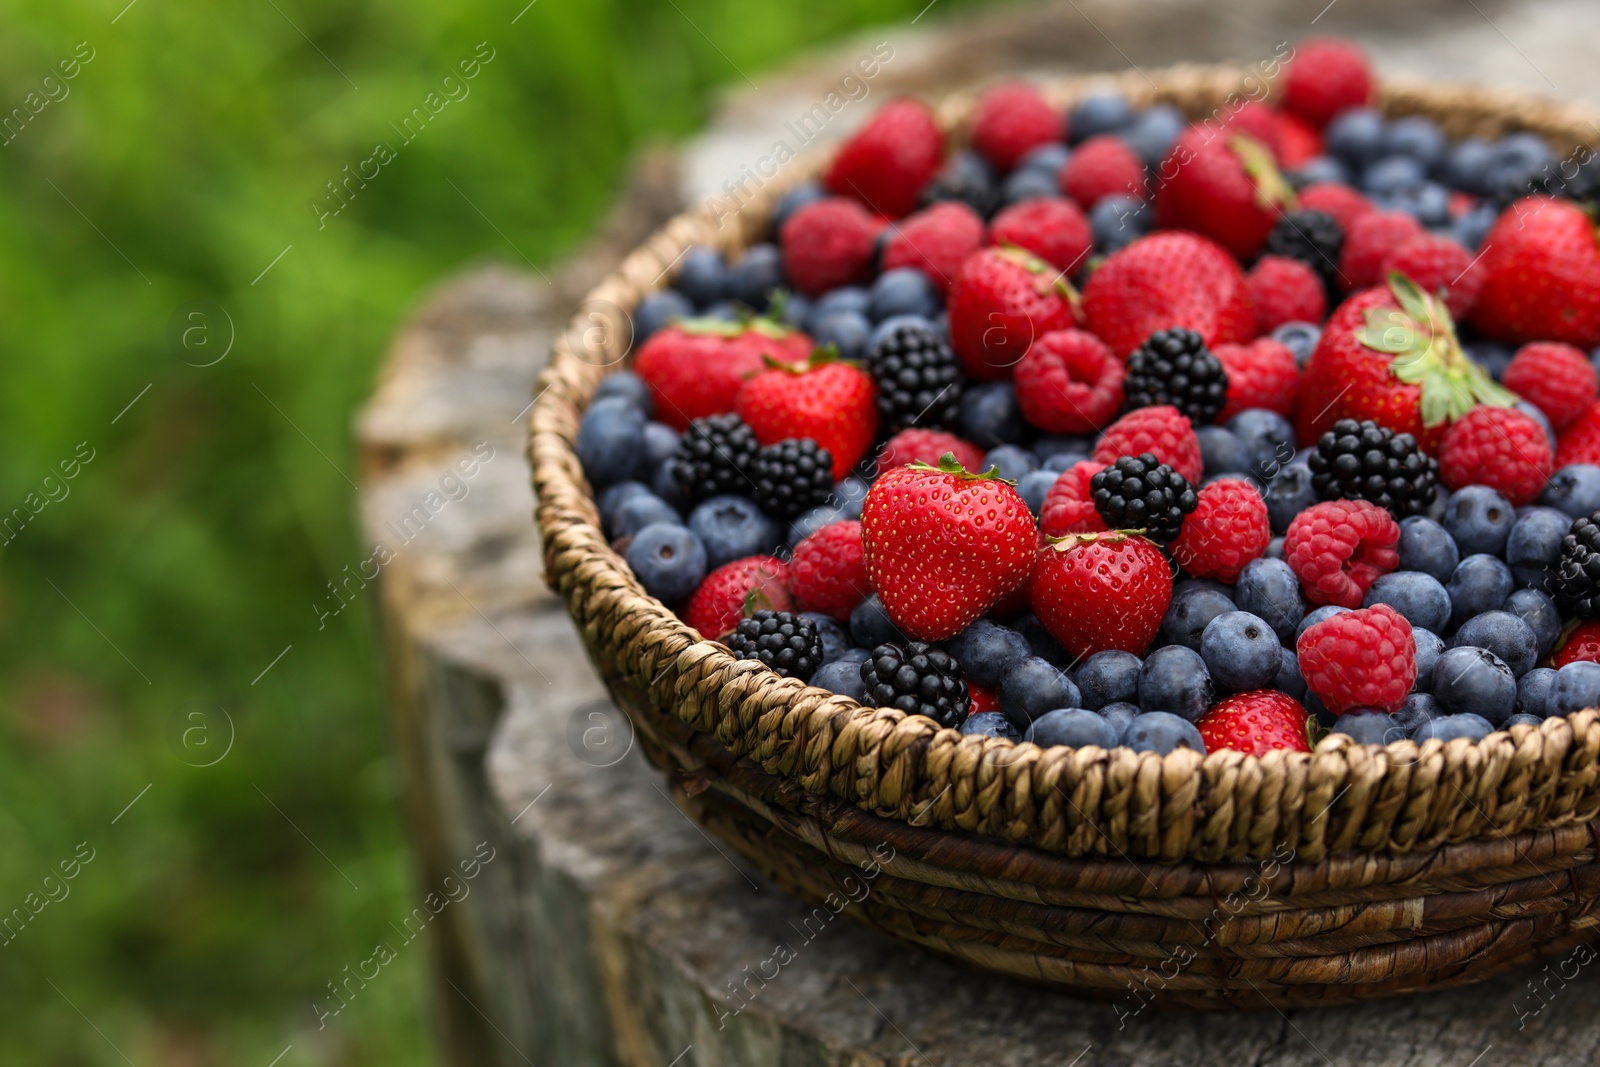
(791, 477)
(918, 679)
(1576, 584)
(919, 380)
(1315, 238)
(714, 456)
(1365, 461)
(788, 643)
(1175, 367)
(1142, 493)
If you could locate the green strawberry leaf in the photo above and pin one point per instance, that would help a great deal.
(1272, 191)
(948, 464)
(820, 356)
(756, 600)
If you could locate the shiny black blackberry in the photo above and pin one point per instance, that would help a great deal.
(1576, 583)
(1365, 461)
(919, 679)
(1142, 493)
(715, 455)
(1175, 367)
(788, 643)
(919, 380)
(1315, 238)
(790, 477)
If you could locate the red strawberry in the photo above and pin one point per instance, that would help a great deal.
(888, 161)
(1001, 301)
(1299, 142)
(1502, 448)
(1557, 379)
(1438, 264)
(1166, 280)
(1391, 355)
(1325, 76)
(1336, 199)
(936, 241)
(1100, 591)
(695, 367)
(1580, 441)
(831, 401)
(1583, 644)
(1100, 167)
(1069, 382)
(1227, 530)
(828, 243)
(1368, 242)
(1285, 290)
(1050, 227)
(983, 698)
(828, 571)
(1069, 505)
(1256, 723)
(1223, 186)
(1256, 120)
(943, 546)
(1261, 374)
(1163, 430)
(1541, 268)
(1010, 120)
(917, 445)
(734, 590)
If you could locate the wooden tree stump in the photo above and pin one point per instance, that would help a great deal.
(603, 926)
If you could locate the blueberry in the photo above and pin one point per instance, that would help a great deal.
(1533, 692)
(702, 277)
(796, 309)
(1534, 607)
(835, 638)
(1288, 495)
(1473, 679)
(1467, 165)
(1417, 137)
(1450, 727)
(1320, 169)
(990, 415)
(1152, 132)
(1175, 679)
(845, 298)
(1097, 113)
(1519, 719)
(848, 330)
(1419, 708)
(849, 493)
(1028, 183)
(1355, 137)
(1313, 704)
(610, 440)
(1479, 519)
(1288, 679)
(668, 560)
(1118, 221)
(657, 310)
(1430, 646)
(1300, 338)
(1504, 634)
(1191, 610)
(1064, 461)
(1541, 418)
(1108, 678)
(1039, 639)
(842, 677)
(870, 625)
(986, 648)
(1574, 490)
(1161, 732)
(1393, 175)
(1366, 726)
(1417, 596)
(1073, 727)
(752, 280)
(903, 291)
(1575, 687)
(1473, 225)
(1034, 486)
(1479, 583)
(1012, 460)
(614, 496)
(1523, 150)
(1241, 651)
(1436, 510)
(626, 385)
(811, 521)
(641, 510)
(1274, 549)
(1052, 445)
(664, 484)
(1120, 715)
(1426, 547)
(1221, 452)
(1327, 611)
(1269, 437)
(732, 527)
(1046, 158)
(797, 197)
(1031, 686)
(989, 724)
(660, 442)
(1492, 356)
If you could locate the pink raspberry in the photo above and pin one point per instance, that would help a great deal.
(1502, 448)
(1557, 379)
(926, 446)
(1100, 167)
(1285, 290)
(1068, 382)
(1325, 76)
(1162, 430)
(1360, 659)
(1368, 243)
(1435, 263)
(1339, 548)
(1579, 442)
(1261, 374)
(828, 243)
(828, 571)
(1336, 199)
(1227, 530)
(1010, 120)
(1069, 505)
(1051, 227)
(935, 241)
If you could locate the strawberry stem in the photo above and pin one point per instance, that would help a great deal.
(1272, 191)
(1067, 542)
(948, 464)
(820, 356)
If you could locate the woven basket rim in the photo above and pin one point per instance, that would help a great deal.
(1083, 802)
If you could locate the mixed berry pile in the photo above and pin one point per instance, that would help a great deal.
(1113, 428)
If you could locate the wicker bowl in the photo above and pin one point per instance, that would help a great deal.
(1176, 882)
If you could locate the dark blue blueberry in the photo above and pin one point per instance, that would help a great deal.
(1574, 490)
(1028, 183)
(1417, 137)
(1192, 608)
(870, 625)
(702, 276)
(1031, 686)
(1355, 137)
(1519, 719)
(641, 510)
(1151, 134)
(1318, 710)
(732, 527)
(656, 310)
(1288, 679)
(1223, 453)
(1175, 679)
(1479, 583)
(1534, 547)
(1471, 226)
(1575, 687)
(1269, 589)
(752, 280)
(812, 521)
(1118, 221)
(846, 298)
(986, 648)
(668, 560)
(1057, 445)
(1425, 546)
(1523, 151)
(796, 309)
(1367, 726)
(848, 330)
(1534, 607)
(1072, 727)
(1450, 727)
(990, 415)
(1274, 549)
(1417, 596)
(1492, 356)
(1419, 708)
(1468, 678)
(1047, 158)
(626, 385)
(903, 291)
(1504, 634)
(1479, 519)
(1287, 495)
(610, 440)
(1013, 461)
(1064, 461)
(1319, 169)
(835, 638)
(1430, 646)
(1270, 439)
(1241, 651)
(990, 724)
(1034, 486)
(666, 486)
(726, 310)
(1039, 639)
(849, 493)
(841, 676)
(1393, 175)
(1300, 338)
(1097, 113)
(1533, 692)
(660, 442)
(1467, 166)
(1436, 510)
(1428, 203)
(798, 196)
(1120, 715)
(1161, 732)
(1108, 678)
(614, 496)
(1541, 418)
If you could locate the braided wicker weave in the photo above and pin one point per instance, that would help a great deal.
(1180, 881)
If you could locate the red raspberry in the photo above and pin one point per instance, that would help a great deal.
(1010, 120)
(1368, 242)
(1557, 379)
(828, 571)
(1228, 529)
(1069, 382)
(1580, 441)
(1163, 430)
(1261, 374)
(888, 161)
(983, 698)
(1336, 199)
(1285, 290)
(1255, 723)
(1360, 659)
(716, 607)
(828, 243)
(1069, 505)
(1582, 645)
(1502, 448)
(935, 241)
(1325, 76)
(1436, 263)
(1051, 227)
(1299, 142)
(926, 446)
(1339, 548)
(1100, 167)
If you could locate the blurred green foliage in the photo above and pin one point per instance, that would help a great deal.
(178, 163)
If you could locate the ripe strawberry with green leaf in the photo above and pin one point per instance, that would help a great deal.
(1096, 592)
(832, 401)
(943, 545)
(1541, 269)
(1225, 186)
(1391, 355)
(1003, 299)
(695, 367)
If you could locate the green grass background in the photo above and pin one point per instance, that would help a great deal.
(189, 551)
